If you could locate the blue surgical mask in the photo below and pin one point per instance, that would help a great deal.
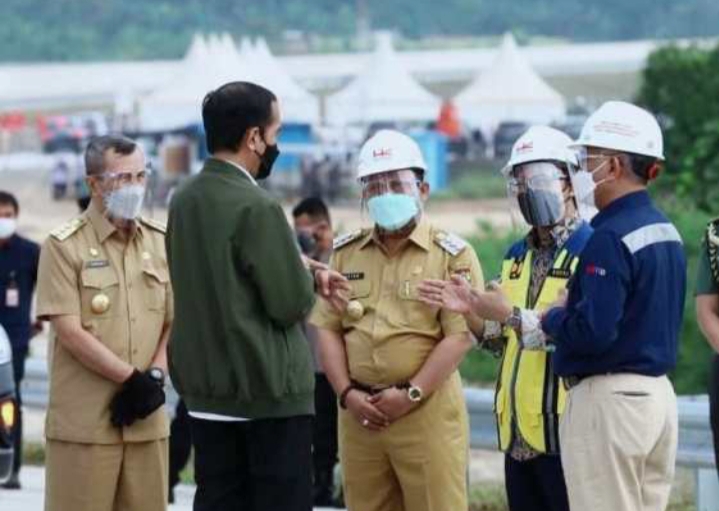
(392, 211)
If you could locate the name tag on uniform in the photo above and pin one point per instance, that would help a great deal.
(102, 263)
(12, 297)
(355, 275)
(560, 273)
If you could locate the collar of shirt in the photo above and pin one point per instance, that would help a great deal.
(420, 236)
(560, 233)
(104, 228)
(241, 169)
(630, 201)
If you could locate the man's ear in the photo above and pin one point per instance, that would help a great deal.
(251, 139)
(424, 189)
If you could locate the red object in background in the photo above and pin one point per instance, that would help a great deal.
(12, 121)
(448, 122)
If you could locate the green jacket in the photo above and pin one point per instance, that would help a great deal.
(241, 293)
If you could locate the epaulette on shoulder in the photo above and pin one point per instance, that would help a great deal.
(450, 243)
(346, 239)
(154, 224)
(68, 228)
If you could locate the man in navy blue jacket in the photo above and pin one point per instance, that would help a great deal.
(616, 336)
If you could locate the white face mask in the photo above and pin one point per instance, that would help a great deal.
(8, 226)
(126, 202)
(584, 187)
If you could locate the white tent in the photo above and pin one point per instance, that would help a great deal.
(510, 90)
(178, 103)
(383, 91)
(296, 104)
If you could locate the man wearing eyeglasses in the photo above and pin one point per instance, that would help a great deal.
(529, 397)
(103, 282)
(391, 359)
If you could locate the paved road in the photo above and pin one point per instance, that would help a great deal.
(30, 498)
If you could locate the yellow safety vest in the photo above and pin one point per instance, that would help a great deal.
(529, 395)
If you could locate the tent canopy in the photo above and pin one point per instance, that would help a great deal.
(211, 63)
(510, 90)
(383, 92)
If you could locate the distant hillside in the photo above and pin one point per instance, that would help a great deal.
(32, 30)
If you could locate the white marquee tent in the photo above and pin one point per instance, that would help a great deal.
(296, 103)
(178, 103)
(510, 90)
(383, 91)
(211, 63)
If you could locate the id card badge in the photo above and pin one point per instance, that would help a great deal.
(12, 297)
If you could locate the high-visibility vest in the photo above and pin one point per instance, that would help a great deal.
(529, 396)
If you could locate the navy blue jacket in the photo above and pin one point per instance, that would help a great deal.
(18, 261)
(626, 300)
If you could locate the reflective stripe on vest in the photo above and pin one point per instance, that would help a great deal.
(528, 393)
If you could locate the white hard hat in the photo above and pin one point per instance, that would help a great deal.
(389, 150)
(623, 127)
(541, 143)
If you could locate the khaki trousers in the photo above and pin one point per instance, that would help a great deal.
(117, 477)
(419, 463)
(618, 438)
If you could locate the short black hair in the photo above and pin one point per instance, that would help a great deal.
(98, 147)
(231, 110)
(6, 198)
(640, 165)
(314, 207)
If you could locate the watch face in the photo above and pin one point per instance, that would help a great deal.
(157, 374)
(414, 394)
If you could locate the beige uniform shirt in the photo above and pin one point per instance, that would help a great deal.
(396, 332)
(121, 292)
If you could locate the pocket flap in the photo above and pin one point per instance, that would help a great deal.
(159, 274)
(360, 289)
(98, 278)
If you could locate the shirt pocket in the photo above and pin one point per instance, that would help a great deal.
(412, 311)
(360, 291)
(155, 280)
(100, 293)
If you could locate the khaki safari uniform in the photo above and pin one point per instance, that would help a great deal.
(121, 293)
(419, 462)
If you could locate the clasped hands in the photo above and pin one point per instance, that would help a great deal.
(377, 411)
(138, 397)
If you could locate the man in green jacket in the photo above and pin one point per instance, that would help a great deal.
(238, 356)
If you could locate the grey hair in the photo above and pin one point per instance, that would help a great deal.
(98, 148)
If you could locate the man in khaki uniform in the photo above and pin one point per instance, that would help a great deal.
(103, 282)
(391, 359)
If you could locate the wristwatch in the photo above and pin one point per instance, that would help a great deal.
(157, 374)
(514, 321)
(414, 393)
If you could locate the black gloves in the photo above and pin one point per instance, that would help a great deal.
(139, 396)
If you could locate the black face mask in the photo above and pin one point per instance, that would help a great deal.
(541, 208)
(267, 160)
(307, 243)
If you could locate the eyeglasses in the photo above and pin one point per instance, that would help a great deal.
(127, 178)
(374, 188)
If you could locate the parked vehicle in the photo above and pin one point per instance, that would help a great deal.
(7, 407)
(506, 135)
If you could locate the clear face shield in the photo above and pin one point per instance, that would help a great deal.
(123, 192)
(536, 194)
(392, 199)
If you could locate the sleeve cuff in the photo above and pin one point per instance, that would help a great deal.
(552, 321)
